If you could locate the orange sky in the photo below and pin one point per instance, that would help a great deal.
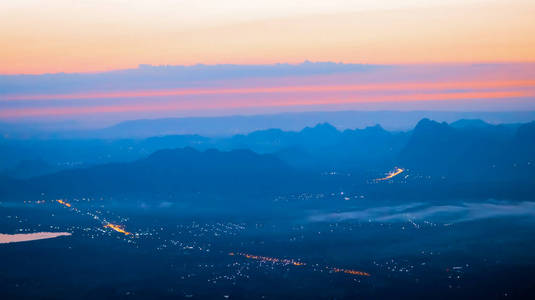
(85, 36)
(426, 52)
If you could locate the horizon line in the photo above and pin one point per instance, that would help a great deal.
(306, 61)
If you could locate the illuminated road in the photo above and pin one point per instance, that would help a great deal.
(296, 263)
(348, 271)
(270, 259)
(391, 174)
(117, 228)
(63, 203)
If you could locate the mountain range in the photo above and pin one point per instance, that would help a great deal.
(226, 126)
(467, 153)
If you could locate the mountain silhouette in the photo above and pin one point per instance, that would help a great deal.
(275, 161)
(469, 153)
(168, 173)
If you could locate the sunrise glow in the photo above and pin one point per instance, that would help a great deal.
(89, 36)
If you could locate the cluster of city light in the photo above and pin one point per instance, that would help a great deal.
(391, 174)
(296, 263)
(117, 228)
(270, 259)
(349, 271)
(63, 203)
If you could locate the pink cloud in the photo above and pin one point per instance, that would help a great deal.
(194, 104)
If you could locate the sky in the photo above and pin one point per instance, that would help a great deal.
(91, 35)
(114, 60)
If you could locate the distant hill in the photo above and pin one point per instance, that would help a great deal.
(172, 173)
(324, 146)
(232, 125)
(489, 160)
(75, 153)
(320, 146)
(522, 148)
(473, 152)
(30, 168)
(226, 126)
(470, 123)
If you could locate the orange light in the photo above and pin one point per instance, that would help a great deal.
(117, 228)
(270, 259)
(348, 271)
(295, 263)
(63, 203)
(391, 174)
